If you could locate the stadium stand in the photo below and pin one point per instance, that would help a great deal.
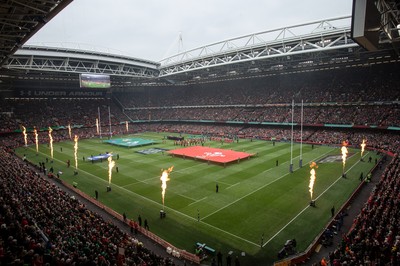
(366, 97)
(374, 238)
(43, 225)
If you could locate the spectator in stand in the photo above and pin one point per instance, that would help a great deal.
(61, 231)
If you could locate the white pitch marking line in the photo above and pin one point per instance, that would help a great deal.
(156, 177)
(157, 203)
(254, 191)
(197, 201)
(192, 199)
(193, 218)
(294, 218)
(233, 185)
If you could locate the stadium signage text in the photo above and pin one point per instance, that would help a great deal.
(59, 93)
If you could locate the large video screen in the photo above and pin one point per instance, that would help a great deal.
(94, 81)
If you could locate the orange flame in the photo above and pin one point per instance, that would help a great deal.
(76, 151)
(164, 178)
(111, 165)
(344, 153)
(51, 142)
(363, 145)
(313, 166)
(97, 125)
(36, 139)
(25, 135)
(69, 131)
(127, 126)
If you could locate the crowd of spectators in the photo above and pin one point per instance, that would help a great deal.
(371, 115)
(382, 140)
(378, 83)
(34, 234)
(43, 225)
(369, 97)
(44, 113)
(54, 116)
(375, 235)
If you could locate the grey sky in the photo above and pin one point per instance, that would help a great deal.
(150, 29)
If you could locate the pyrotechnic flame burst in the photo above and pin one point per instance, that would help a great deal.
(363, 145)
(127, 126)
(25, 135)
(76, 151)
(111, 165)
(36, 139)
(313, 166)
(344, 154)
(97, 125)
(51, 142)
(164, 178)
(69, 131)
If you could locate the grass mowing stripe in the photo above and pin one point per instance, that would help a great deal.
(154, 202)
(209, 225)
(196, 180)
(105, 181)
(261, 187)
(294, 218)
(158, 177)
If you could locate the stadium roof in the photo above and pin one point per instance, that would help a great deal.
(21, 19)
(389, 12)
(325, 46)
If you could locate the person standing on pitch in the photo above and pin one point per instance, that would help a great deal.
(219, 258)
(216, 188)
(228, 260)
(237, 262)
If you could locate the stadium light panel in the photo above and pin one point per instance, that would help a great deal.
(365, 24)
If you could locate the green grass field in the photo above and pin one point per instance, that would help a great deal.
(255, 197)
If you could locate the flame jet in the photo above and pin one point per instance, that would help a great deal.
(344, 155)
(313, 166)
(363, 145)
(51, 142)
(36, 139)
(25, 135)
(164, 178)
(76, 151)
(69, 131)
(111, 165)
